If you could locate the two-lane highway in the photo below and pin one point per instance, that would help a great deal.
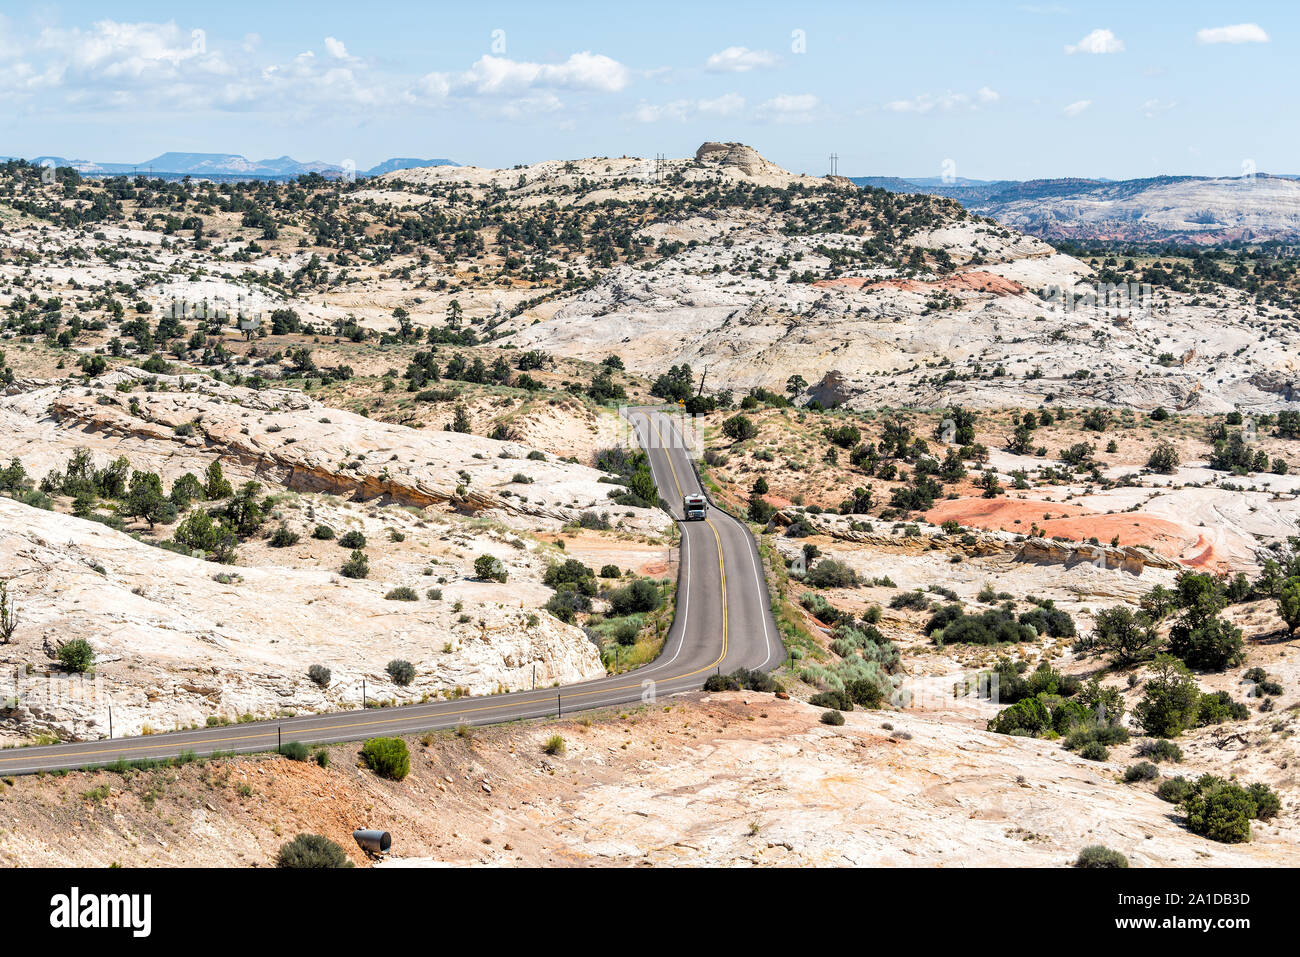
(723, 622)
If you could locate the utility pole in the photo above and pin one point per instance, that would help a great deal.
(363, 694)
(534, 676)
(277, 739)
(558, 708)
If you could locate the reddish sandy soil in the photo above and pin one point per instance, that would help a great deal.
(1079, 524)
(974, 281)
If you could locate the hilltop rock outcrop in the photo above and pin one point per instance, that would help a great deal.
(737, 155)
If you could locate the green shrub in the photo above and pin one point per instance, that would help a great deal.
(1210, 645)
(915, 600)
(1049, 620)
(352, 539)
(403, 593)
(829, 573)
(1267, 803)
(402, 672)
(1094, 751)
(1175, 790)
(738, 428)
(1288, 605)
(640, 596)
(295, 750)
(835, 698)
(1125, 636)
(596, 521)
(358, 566)
(1027, 717)
(76, 655)
(1161, 749)
(1142, 771)
(1163, 458)
(1220, 810)
(567, 603)
(832, 717)
(387, 757)
(950, 625)
(311, 850)
(742, 679)
(322, 532)
(554, 745)
(626, 632)
(320, 675)
(1218, 707)
(1172, 700)
(489, 568)
(609, 571)
(574, 573)
(1095, 855)
(820, 608)
(283, 538)
(865, 692)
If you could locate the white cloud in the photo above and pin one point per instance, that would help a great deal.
(124, 50)
(164, 67)
(1153, 106)
(581, 71)
(1077, 107)
(740, 60)
(1237, 33)
(926, 103)
(789, 108)
(944, 102)
(1098, 41)
(728, 104)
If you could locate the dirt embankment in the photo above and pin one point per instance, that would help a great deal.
(740, 778)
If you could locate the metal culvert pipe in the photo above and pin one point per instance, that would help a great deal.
(373, 842)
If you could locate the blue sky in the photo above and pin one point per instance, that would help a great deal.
(1002, 90)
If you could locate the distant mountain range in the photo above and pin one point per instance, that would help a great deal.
(231, 166)
(1194, 209)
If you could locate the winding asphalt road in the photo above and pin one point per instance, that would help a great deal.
(723, 622)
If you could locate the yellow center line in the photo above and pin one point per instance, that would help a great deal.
(207, 740)
(664, 446)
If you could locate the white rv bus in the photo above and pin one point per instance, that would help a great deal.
(695, 507)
